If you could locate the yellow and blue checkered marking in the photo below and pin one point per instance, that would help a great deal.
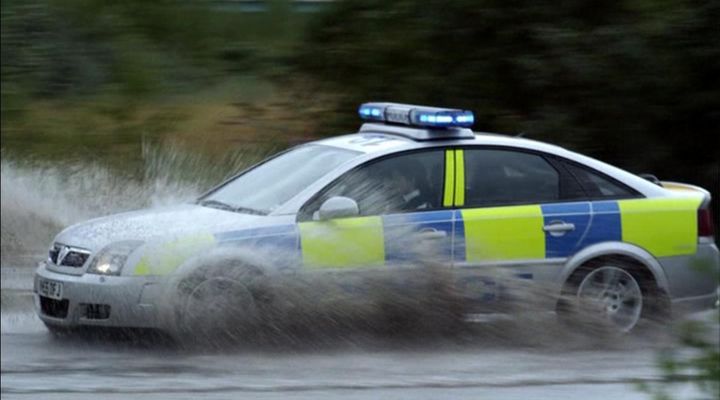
(281, 241)
(500, 233)
(605, 225)
(401, 228)
(664, 227)
(577, 214)
(284, 237)
(342, 243)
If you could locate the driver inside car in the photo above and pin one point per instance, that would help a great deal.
(407, 188)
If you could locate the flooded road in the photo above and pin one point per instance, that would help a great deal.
(34, 366)
(509, 364)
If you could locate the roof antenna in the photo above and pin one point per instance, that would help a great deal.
(521, 134)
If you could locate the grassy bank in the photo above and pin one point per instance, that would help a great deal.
(239, 113)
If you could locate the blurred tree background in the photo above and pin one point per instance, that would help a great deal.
(632, 82)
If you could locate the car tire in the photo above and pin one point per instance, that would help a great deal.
(611, 296)
(216, 304)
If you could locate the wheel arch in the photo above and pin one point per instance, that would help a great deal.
(202, 265)
(219, 255)
(628, 251)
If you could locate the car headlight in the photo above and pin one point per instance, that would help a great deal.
(111, 259)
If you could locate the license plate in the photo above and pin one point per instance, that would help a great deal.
(51, 289)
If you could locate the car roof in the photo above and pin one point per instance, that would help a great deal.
(376, 138)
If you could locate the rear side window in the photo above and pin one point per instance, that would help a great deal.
(504, 177)
(598, 186)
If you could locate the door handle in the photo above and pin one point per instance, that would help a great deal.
(558, 228)
(432, 234)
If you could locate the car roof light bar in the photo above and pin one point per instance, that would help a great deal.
(414, 115)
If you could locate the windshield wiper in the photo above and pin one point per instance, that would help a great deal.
(216, 204)
(249, 210)
(228, 207)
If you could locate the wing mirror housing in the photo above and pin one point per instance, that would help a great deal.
(338, 207)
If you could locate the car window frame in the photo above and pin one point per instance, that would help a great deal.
(633, 193)
(542, 155)
(555, 162)
(303, 216)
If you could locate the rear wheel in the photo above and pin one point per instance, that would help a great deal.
(611, 297)
(614, 294)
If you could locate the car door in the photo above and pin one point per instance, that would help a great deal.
(403, 215)
(518, 210)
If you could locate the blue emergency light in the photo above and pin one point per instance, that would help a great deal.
(408, 114)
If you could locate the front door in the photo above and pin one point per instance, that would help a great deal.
(403, 219)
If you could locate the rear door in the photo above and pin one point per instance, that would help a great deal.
(665, 226)
(518, 210)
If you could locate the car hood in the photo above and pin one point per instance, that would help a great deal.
(153, 223)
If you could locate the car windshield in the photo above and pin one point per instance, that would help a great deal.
(267, 186)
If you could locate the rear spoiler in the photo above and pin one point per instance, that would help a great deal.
(687, 188)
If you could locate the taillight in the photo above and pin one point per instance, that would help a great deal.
(705, 222)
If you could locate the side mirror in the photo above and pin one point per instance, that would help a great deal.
(338, 207)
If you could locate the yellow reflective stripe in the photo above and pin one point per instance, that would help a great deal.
(663, 226)
(449, 194)
(170, 255)
(459, 178)
(504, 233)
(344, 242)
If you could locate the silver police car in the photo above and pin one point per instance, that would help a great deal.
(583, 229)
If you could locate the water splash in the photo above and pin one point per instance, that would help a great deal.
(39, 198)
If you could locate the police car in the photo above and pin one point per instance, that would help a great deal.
(583, 228)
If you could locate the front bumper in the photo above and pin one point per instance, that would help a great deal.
(96, 300)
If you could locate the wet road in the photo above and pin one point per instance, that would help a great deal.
(34, 366)
(512, 366)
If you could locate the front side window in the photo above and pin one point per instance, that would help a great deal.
(505, 177)
(269, 185)
(403, 183)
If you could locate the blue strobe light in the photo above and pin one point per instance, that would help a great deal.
(408, 114)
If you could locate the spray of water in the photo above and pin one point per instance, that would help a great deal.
(39, 199)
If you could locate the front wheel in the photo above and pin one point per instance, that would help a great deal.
(216, 304)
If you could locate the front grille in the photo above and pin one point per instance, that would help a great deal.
(67, 256)
(54, 308)
(95, 311)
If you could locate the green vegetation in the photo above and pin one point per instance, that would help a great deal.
(94, 80)
(70, 48)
